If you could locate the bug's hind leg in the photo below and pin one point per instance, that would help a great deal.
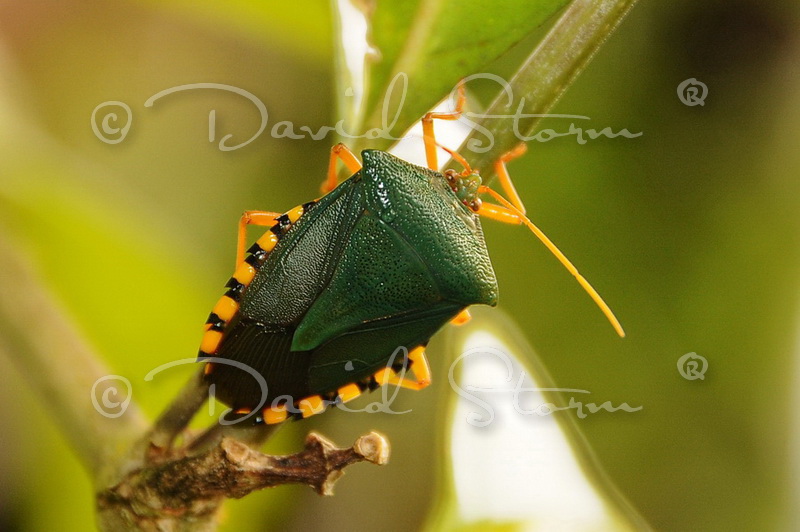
(427, 127)
(463, 317)
(226, 307)
(340, 151)
(422, 372)
(263, 218)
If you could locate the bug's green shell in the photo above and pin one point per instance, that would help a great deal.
(413, 246)
(383, 261)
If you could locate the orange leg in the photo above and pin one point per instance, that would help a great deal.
(420, 366)
(427, 127)
(499, 213)
(340, 151)
(505, 179)
(462, 318)
(251, 218)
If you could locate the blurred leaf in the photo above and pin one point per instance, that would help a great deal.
(302, 25)
(138, 275)
(353, 51)
(691, 233)
(436, 44)
(490, 526)
(500, 443)
(131, 288)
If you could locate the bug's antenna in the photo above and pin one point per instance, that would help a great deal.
(561, 257)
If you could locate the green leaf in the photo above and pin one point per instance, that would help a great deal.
(435, 44)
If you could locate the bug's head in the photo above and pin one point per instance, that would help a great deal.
(465, 185)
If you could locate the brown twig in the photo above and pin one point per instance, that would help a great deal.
(185, 492)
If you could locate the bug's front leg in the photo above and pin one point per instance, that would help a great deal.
(340, 151)
(509, 210)
(427, 127)
(505, 179)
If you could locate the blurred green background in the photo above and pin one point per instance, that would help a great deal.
(690, 232)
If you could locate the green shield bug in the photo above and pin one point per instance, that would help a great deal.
(326, 299)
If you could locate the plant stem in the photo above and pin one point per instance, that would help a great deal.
(544, 77)
(179, 413)
(67, 374)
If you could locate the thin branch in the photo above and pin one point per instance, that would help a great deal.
(544, 77)
(157, 445)
(58, 363)
(184, 493)
(172, 422)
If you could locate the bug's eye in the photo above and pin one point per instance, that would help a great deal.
(475, 204)
(450, 175)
